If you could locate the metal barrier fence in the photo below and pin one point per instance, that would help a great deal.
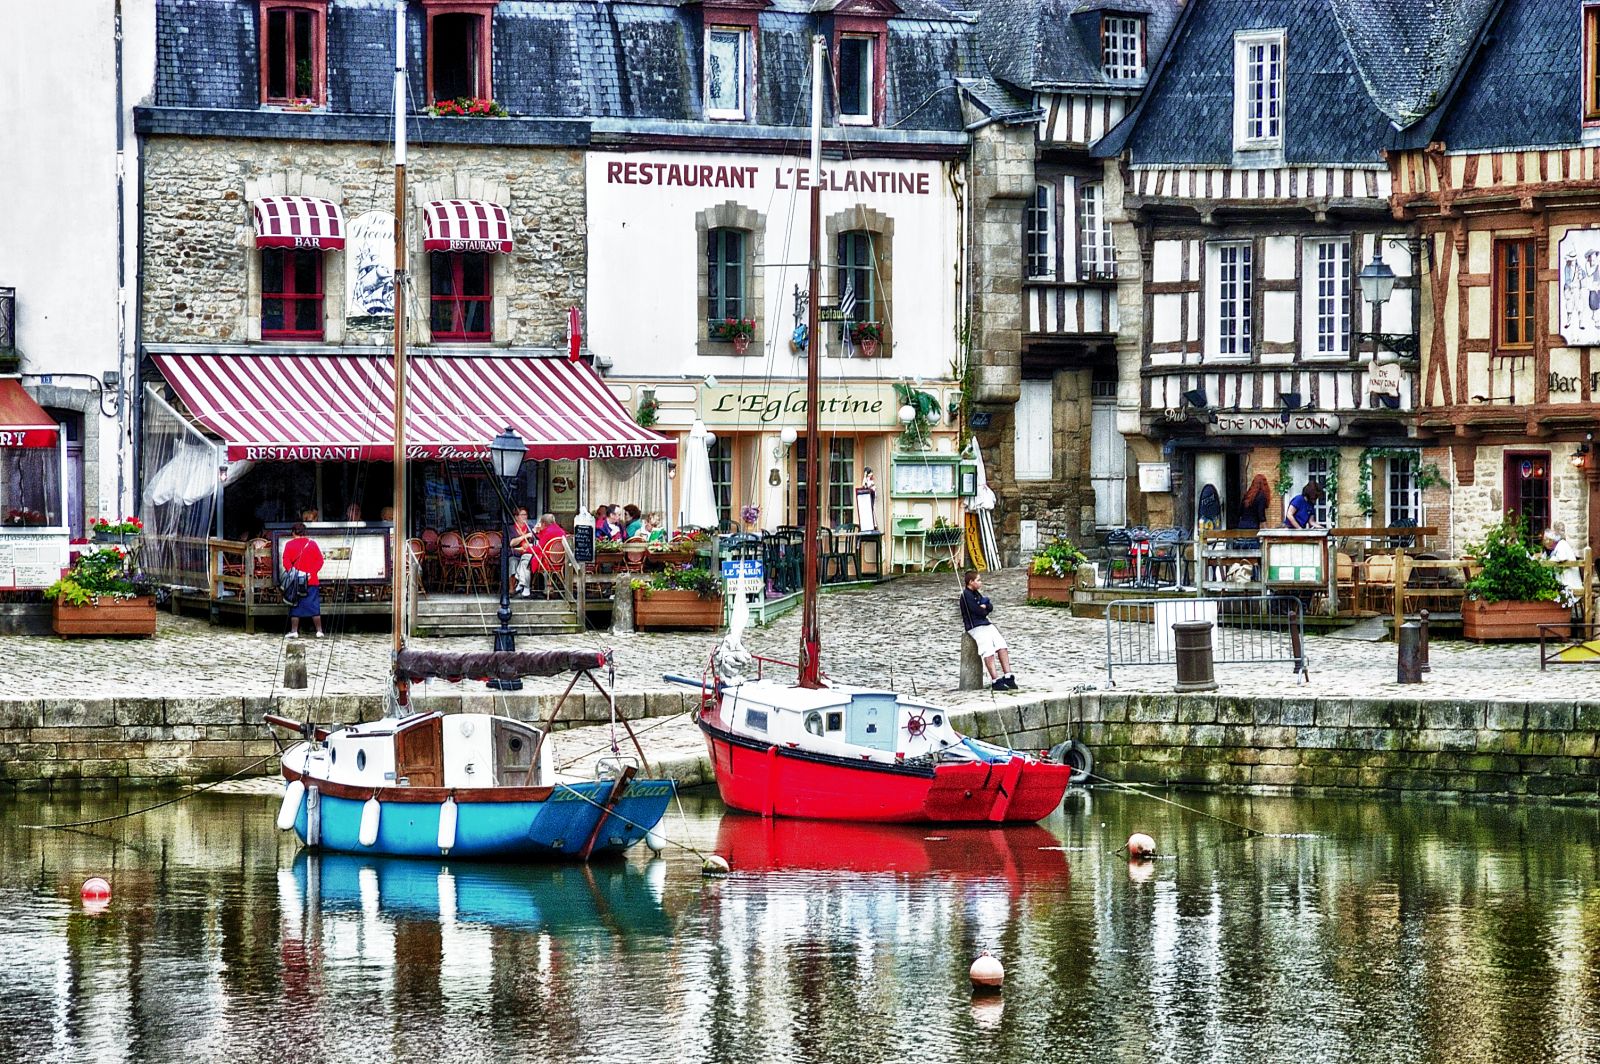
(1245, 630)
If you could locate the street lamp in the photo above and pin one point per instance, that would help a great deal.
(1377, 285)
(506, 452)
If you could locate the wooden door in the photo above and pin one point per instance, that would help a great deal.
(419, 753)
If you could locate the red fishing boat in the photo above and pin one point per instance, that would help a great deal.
(821, 751)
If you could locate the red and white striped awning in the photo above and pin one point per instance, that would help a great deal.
(322, 408)
(466, 225)
(299, 222)
(23, 422)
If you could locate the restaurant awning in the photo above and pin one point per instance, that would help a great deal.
(466, 225)
(316, 408)
(299, 222)
(23, 422)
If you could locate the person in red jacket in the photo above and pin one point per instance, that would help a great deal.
(302, 553)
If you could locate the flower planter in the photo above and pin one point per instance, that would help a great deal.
(670, 558)
(741, 344)
(869, 348)
(675, 609)
(1482, 621)
(136, 617)
(1052, 588)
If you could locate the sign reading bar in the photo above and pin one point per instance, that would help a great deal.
(1298, 424)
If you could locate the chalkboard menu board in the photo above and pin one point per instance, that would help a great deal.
(582, 543)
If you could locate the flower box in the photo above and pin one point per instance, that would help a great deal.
(675, 609)
(1052, 588)
(1481, 621)
(135, 617)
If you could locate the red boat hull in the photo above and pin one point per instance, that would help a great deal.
(778, 781)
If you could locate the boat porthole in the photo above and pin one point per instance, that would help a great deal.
(938, 719)
(333, 754)
(361, 760)
(814, 722)
(466, 727)
(515, 744)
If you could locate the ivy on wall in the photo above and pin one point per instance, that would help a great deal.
(1428, 476)
(1330, 483)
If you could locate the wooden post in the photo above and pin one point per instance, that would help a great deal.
(1588, 603)
(1399, 589)
(1199, 564)
(250, 588)
(972, 674)
(294, 665)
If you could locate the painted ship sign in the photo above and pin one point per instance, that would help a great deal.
(1274, 424)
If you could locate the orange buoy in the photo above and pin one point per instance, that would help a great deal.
(1141, 846)
(987, 973)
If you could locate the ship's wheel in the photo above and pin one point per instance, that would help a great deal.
(916, 725)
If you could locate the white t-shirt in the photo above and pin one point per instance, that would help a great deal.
(1563, 552)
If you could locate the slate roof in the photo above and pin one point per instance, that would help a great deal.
(1355, 71)
(1039, 44)
(633, 61)
(1520, 88)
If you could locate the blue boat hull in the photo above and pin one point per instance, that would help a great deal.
(556, 828)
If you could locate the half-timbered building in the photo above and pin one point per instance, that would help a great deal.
(1045, 329)
(1502, 180)
(1255, 196)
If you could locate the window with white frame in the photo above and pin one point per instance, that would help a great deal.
(727, 71)
(1333, 296)
(1039, 245)
(1313, 468)
(1122, 47)
(1403, 496)
(1034, 431)
(1231, 299)
(1096, 260)
(1258, 90)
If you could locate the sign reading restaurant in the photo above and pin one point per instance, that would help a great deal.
(378, 451)
(860, 178)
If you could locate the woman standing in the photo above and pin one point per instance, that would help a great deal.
(1253, 507)
(302, 553)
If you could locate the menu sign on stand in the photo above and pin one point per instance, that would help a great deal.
(30, 560)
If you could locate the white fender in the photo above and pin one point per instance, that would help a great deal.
(447, 825)
(369, 822)
(290, 809)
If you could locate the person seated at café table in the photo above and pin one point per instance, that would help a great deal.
(654, 531)
(603, 528)
(635, 521)
(546, 533)
(522, 549)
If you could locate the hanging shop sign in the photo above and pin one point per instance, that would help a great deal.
(1578, 256)
(564, 486)
(868, 406)
(369, 268)
(1155, 477)
(1273, 424)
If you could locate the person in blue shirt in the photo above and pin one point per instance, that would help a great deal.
(975, 610)
(1297, 511)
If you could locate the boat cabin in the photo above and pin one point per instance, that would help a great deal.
(437, 750)
(874, 725)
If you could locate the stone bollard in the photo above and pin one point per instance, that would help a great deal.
(1425, 666)
(622, 603)
(1408, 666)
(971, 665)
(294, 665)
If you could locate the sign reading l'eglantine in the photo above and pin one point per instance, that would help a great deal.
(868, 405)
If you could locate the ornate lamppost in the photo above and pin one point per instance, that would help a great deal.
(506, 452)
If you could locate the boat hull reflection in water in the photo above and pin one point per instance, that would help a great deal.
(541, 898)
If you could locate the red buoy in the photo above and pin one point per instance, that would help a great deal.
(1141, 846)
(95, 892)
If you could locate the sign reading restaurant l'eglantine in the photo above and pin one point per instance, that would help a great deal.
(759, 405)
(863, 176)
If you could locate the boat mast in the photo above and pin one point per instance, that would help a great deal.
(810, 634)
(397, 556)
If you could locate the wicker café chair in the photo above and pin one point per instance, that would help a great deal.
(552, 562)
(633, 555)
(452, 559)
(477, 560)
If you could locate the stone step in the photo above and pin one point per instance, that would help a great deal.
(447, 628)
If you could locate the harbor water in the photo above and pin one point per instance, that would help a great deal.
(1356, 931)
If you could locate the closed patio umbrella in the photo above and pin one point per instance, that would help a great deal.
(697, 502)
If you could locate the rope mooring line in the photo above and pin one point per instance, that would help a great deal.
(149, 808)
(603, 747)
(1134, 788)
(631, 823)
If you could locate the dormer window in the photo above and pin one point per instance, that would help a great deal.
(727, 71)
(856, 68)
(1591, 63)
(459, 50)
(1122, 47)
(1258, 90)
(292, 55)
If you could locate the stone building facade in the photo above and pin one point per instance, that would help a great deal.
(1047, 311)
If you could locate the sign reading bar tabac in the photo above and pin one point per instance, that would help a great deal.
(867, 405)
(1297, 424)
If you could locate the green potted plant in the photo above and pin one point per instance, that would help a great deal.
(740, 331)
(686, 597)
(944, 534)
(1053, 573)
(467, 107)
(99, 596)
(106, 530)
(1513, 590)
(867, 335)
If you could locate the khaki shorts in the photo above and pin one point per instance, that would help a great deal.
(988, 639)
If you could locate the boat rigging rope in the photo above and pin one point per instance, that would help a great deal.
(170, 801)
(1134, 788)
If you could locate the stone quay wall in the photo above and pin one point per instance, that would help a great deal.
(140, 742)
(1333, 746)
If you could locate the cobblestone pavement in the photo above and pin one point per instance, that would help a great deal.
(907, 631)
